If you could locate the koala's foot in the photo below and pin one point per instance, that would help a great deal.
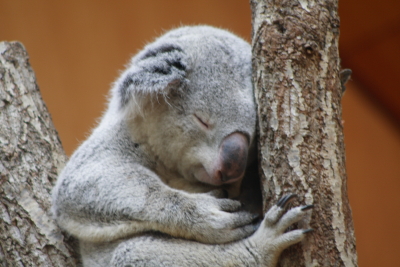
(271, 238)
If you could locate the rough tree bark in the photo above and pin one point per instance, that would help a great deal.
(31, 156)
(296, 76)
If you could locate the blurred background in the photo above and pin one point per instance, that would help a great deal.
(78, 47)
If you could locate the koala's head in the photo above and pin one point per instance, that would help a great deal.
(189, 97)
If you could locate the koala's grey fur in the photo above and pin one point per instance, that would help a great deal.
(138, 191)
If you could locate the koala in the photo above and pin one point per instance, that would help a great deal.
(160, 179)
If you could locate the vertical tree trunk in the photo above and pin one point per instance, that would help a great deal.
(31, 156)
(296, 76)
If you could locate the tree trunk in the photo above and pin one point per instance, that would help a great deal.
(296, 77)
(31, 156)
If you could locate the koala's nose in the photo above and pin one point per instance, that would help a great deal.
(233, 158)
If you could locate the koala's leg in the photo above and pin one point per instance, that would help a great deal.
(261, 249)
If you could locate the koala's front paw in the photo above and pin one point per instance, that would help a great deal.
(220, 221)
(271, 239)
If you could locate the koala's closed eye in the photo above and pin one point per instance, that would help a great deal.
(202, 122)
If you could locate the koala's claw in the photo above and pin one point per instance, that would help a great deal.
(307, 207)
(306, 231)
(282, 203)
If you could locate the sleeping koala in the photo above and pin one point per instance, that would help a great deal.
(157, 182)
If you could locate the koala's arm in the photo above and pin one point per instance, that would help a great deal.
(103, 194)
(263, 248)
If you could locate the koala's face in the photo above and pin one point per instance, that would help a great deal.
(207, 131)
(198, 108)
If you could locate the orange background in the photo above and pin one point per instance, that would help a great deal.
(77, 49)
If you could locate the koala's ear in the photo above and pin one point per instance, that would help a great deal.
(154, 71)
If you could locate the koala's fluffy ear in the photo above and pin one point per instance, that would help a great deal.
(155, 71)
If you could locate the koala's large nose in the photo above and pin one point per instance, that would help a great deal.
(232, 158)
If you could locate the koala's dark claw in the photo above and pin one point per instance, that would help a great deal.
(282, 200)
(285, 199)
(308, 231)
(307, 207)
